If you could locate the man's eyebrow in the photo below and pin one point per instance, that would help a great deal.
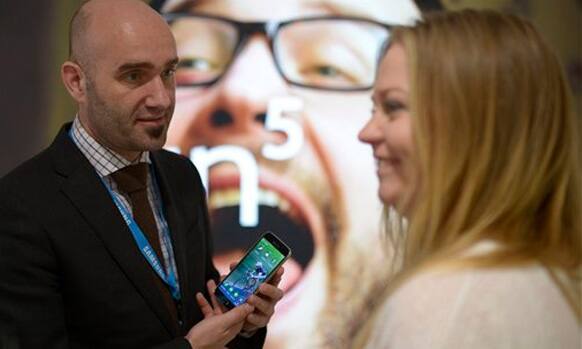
(136, 65)
(145, 65)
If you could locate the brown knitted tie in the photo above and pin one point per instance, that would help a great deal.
(132, 180)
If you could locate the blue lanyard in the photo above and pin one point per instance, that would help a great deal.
(145, 248)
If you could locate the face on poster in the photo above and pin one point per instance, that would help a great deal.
(269, 102)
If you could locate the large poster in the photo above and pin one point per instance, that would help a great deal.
(270, 98)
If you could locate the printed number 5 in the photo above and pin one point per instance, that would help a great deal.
(276, 122)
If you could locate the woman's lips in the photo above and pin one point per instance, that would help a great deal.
(387, 165)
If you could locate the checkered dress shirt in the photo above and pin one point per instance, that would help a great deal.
(105, 161)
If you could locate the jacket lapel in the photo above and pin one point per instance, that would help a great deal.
(89, 195)
(176, 225)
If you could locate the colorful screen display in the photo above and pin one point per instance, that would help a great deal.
(243, 281)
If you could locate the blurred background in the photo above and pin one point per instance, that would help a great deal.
(328, 258)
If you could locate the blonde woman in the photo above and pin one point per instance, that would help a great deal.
(478, 149)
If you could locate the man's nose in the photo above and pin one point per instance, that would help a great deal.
(160, 94)
(239, 108)
(253, 75)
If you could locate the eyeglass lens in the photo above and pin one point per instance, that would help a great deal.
(321, 53)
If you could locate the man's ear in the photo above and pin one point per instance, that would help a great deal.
(74, 80)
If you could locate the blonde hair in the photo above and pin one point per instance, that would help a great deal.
(497, 148)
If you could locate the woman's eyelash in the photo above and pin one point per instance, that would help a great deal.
(392, 106)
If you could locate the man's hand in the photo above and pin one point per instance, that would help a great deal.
(218, 327)
(264, 302)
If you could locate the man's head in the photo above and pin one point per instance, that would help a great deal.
(315, 182)
(121, 74)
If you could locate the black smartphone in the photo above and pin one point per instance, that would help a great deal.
(256, 267)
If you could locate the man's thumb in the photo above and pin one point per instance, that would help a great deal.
(236, 315)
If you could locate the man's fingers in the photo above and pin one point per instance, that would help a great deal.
(211, 286)
(205, 307)
(255, 321)
(219, 308)
(276, 279)
(270, 291)
(236, 315)
(263, 306)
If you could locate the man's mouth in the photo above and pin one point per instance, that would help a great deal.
(153, 121)
(283, 209)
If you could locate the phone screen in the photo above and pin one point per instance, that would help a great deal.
(258, 264)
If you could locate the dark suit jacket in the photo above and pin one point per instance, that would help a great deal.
(71, 275)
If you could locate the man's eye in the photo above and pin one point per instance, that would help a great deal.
(328, 71)
(169, 73)
(327, 76)
(197, 63)
(198, 70)
(132, 77)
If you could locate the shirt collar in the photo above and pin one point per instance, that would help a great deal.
(104, 160)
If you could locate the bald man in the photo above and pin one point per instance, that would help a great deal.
(104, 239)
